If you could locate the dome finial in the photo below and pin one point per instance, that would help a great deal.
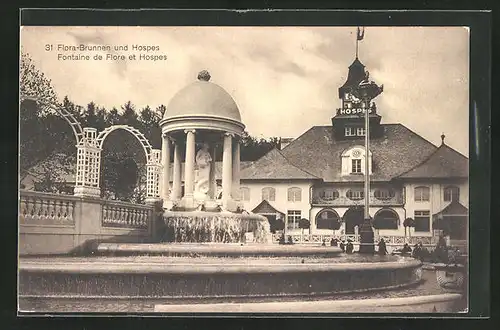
(204, 75)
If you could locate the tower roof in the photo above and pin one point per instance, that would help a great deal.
(354, 77)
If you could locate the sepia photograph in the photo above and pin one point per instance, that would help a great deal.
(244, 169)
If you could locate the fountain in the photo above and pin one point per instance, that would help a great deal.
(203, 262)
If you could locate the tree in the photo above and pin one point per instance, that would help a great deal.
(253, 148)
(408, 222)
(34, 84)
(129, 115)
(113, 117)
(40, 132)
(304, 224)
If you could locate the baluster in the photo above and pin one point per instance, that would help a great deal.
(147, 215)
(50, 210)
(29, 210)
(118, 215)
(22, 210)
(123, 216)
(58, 210)
(70, 211)
(34, 209)
(139, 217)
(130, 217)
(42, 210)
(114, 212)
(131, 213)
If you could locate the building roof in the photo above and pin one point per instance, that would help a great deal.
(274, 165)
(453, 209)
(444, 162)
(398, 151)
(203, 98)
(265, 207)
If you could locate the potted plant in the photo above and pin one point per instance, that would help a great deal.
(304, 224)
(408, 222)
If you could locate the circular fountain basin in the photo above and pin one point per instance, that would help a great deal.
(218, 250)
(212, 277)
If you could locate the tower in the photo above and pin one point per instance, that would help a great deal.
(348, 122)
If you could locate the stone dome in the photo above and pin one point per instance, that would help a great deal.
(202, 105)
(203, 98)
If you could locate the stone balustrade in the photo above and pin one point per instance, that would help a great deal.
(125, 215)
(59, 224)
(37, 208)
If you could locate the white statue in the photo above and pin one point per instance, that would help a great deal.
(203, 165)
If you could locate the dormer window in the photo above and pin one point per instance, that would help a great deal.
(353, 161)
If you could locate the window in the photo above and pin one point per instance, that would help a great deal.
(349, 131)
(328, 219)
(384, 194)
(293, 218)
(268, 194)
(356, 166)
(329, 194)
(422, 221)
(421, 194)
(451, 193)
(245, 194)
(294, 194)
(386, 219)
(355, 194)
(360, 131)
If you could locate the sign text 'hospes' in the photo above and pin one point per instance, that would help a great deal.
(85, 52)
(353, 111)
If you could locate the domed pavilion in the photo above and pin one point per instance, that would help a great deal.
(199, 117)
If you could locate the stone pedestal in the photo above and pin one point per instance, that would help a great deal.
(366, 238)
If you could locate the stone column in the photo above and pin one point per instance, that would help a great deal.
(236, 170)
(165, 161)
(189, 164)
(176, 186)
(213, 179)
(227, 169)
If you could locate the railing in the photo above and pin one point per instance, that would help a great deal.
(46, 209)
(320, 238)
(344, 201)
(126, 215)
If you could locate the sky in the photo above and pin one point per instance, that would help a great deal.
(284, 79)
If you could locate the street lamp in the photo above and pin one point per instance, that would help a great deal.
(367, 91)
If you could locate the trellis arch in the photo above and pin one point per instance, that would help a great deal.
(70, 119)
(153, 158)
(134, 131)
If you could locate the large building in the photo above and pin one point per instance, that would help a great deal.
(320, 176)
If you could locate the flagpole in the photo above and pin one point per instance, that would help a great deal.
(357, 42)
